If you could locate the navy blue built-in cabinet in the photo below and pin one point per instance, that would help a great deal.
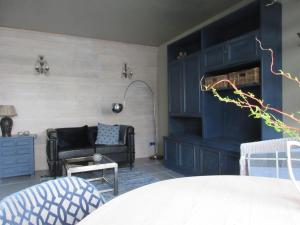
(204, 133)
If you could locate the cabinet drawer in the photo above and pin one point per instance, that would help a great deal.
(24, 150)
(8, 152)
(21, 169)
(15, 151)
(14, 142)
(25, 142)
(14, 161)
(7, 143)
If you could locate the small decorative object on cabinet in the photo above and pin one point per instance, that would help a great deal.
(7, 111)
(181, 55)
(16, 156)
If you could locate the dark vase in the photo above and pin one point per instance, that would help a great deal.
(6, 126)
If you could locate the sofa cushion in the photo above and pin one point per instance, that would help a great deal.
(92, 134)
(109, 149)
(72, 138)
(82, 152)
(108, 134)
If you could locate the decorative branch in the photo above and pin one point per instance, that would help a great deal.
(280, 72)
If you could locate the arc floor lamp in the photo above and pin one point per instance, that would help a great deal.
(118, 107)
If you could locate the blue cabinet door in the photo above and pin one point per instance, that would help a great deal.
(239, 50)
(242, 49)
(187, 158)
(214, 57)
(171, 153)
(210, 161)
(191, 85)
(175, 88)
(229, 164)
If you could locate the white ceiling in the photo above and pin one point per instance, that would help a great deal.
(147, 22)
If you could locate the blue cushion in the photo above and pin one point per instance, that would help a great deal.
(107, 134)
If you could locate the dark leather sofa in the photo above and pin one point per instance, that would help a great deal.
(64, 143)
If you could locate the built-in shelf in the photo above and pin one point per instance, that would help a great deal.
(234, 25)
(189, 45)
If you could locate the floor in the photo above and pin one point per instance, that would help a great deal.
(145, 172)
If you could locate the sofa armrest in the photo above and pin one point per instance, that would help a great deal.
(51, 145)
(131, 144)
(130, 136)
(51, 133)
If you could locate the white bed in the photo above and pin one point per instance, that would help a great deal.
(211, 200)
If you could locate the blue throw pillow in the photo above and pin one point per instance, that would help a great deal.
(107, 134)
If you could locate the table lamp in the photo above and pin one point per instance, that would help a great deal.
(6, 123)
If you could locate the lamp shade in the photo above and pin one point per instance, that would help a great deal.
(117, 107)
(7, 110)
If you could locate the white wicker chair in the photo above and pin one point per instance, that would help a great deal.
(273, 154)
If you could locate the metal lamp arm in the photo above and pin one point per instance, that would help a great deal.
(154, 107)
(133, 82)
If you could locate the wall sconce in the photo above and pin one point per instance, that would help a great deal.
(126, 72)
(41, 65)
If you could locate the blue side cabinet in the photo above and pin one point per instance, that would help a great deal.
(16, 156)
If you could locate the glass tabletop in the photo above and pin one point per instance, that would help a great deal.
(86, 161)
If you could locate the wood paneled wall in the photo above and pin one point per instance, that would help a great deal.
(84, 80)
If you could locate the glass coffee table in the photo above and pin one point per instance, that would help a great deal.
(87, 164)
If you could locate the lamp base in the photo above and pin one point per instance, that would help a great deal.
(156, 157)
(6, 124)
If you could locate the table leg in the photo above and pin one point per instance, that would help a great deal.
(103, 173)
(69, 174)
(116, 188)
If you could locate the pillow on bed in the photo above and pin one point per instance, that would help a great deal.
(107, 134)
